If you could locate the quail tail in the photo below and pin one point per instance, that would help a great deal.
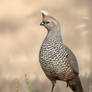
(75, 84)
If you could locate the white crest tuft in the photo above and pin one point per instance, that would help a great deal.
(44, 12)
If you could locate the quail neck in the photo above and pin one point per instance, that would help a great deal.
(54, 34)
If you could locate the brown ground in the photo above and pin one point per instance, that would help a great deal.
(21, 37)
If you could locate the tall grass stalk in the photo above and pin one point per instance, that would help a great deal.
(28, 83)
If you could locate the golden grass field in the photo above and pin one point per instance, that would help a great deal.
(21, 37)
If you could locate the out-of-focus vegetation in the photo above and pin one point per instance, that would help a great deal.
(28, 83)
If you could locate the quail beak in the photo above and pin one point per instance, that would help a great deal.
(42, 23)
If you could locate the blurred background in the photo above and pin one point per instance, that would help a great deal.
(21, 37)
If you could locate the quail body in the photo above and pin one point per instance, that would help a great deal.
(56, 59)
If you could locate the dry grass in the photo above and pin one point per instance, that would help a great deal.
(27, 85)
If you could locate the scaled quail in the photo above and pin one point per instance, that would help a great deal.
(57, 60)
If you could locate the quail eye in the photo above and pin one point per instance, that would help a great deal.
(46, 22)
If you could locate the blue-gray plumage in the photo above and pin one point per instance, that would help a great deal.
(57, 60)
